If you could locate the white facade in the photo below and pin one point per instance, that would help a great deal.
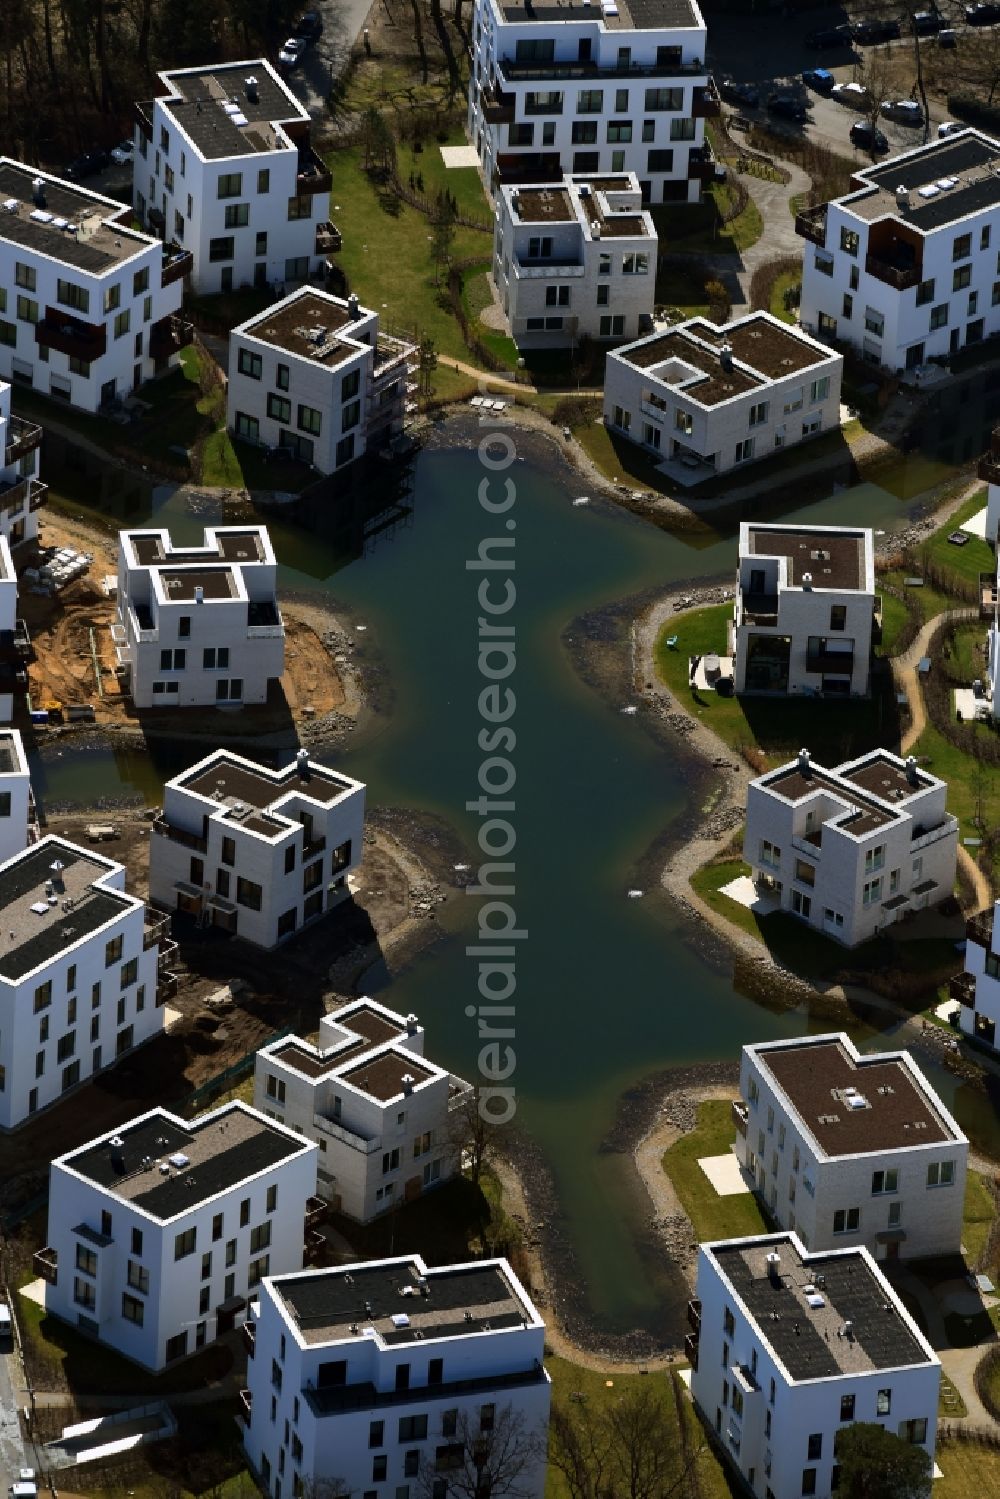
(256, 852)
(224, 167)
(903, 267)
(848, 1149)
(15, 646)
(314, 375)
(17, 825)
(790, 1347)
(159, 1230)
(360, 1375)
(198, 625)
(378, 1110)
(804, 610)
(81, 976)
(721, 397)
(978, 988)
(90, 304)
(851, 850)
(21, 493)
(556, 90)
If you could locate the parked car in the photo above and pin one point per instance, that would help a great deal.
(854, 95)
(122, 153)
(87, 165)
(947, 38)
(829, 37)
(739, 122)
(903, 111)
(787, 107)
(6, 1325)
(291, 52)
(747, 94)
(949, 127)
(869, 31)
(821, 80)
(982, 15)
(867, 139)
(927, 22)
(309, 26)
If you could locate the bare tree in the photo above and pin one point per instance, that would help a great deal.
(489, 1456)
(985, 49)
(472, 1134)
(876, 75)
(627, 1449)
(426, 365)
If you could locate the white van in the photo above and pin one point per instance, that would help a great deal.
(25, 1487)
(6, 1326)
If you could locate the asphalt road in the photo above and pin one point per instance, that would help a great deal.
(311, 81)
(11, 1448)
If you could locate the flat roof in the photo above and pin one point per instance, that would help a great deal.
(331, 1306)
(883, 776)
(801, 1308)
(834, 559)
(68, 223)
(215, 583)
(231, 546)
(537, 205)
(898, 1111)
(34, 928)
(230, 781)
(214, 1154)
(244, 131)
(309, 325)
(382, 1075)
(946, 181)
(761, 350)
(796, 782)
(627, 15)
(369, 1026)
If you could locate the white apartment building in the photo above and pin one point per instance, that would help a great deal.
(977, 989)
(83, 973)
(377, 1108)
(851, 1150)
(258, 853)
(314, 375)
(198, 625)
(853, 849)
(617, 87)
(362, 1376)
(21, 493)
(714, 398)
(17, 820)
(161, 1229)
(804, 611)
(223, 166)
(88, 306)
(789, 1347)
(904, 266)
(573, 259)
(15, 642)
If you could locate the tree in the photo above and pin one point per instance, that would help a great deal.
(426, 364)
(472, 1133)
(628, 1449)
(377, 142)
(874, 1464)
(443, 236)
(985, 46)
(491, 1455)
(876, 75)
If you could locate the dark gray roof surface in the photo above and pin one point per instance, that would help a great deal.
(96, 248)
(200, 114)
(29, 938)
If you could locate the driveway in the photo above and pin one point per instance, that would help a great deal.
(11, 1447)
(312, 80)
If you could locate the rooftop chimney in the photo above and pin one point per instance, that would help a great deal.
(250, 84)
(411, 1025)
(774, 1267)
(726, 356)
(353, 306)
(38, 191)
(407, 1082)
(804, 766)
(199, 594)
(807, 581)
(302, 764)
(902, 198)
(911, 769)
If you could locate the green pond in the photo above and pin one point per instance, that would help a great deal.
(610, 989)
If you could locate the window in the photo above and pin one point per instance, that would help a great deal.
(248, 893)
(27, 310)
(221, 247)
(883, 1402)
(635, 264)
(847, 1407)
(744, 450)
(884, 1181)
(379, 1465)
(130, 972)
(619, 132)
(43, 996)
(961, 277)
(230, 184)
(682, 130)
(941, 1173)
(271, 1200)
(138, 1278)
(258, 1270)
(589, 101)
(847, 308)
(390, 1161)
(874, 859)
(250, 364)
(846, 1221)
(299, 208)
(819, 390)
(133, 1310)
(939, 316)
(823, 262)
(72, 295)
(260, 242)
(260, 1238)
(237, 215)
(184, 1244)
(413, 1428)
(808, 1480)
(660, 99)
(487, 1417)
(815, 1451)
(586, 161)
(376, 1433)
(871, 891)
(849, 241)
(660, 161)
(557, 296)
(24, 275)
(310, 420)
(758, 413)
(66, 1046)
(351, 416)
(86, 1260)
(914, 1431)
(961, 247)
(279, 409)
(84, 1294)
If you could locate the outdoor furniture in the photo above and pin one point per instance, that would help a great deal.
(672, 642)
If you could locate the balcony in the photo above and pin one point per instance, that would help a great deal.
(839, 663)
(264, 621)
(759, 608)
(989, 469)
(701, 165)
(246, 1401)
(312, 849)
(15, 645)
(169, 336)
(899, 277)
(313, 1247)
(963, 988)
(166, 988)
(498, 108)
(13, 497)
(810, 224)
(177, 263)
(741, 1116)
(528, 268)
(22, 438)
(528, 72)
(143, 116)
(335, 1400)
(924, 837)
(249, 1331)
(391, 354)
(694, 1315)
(313, 174)
(71, 335)
(979, 929)
(328, 239)
(705, 102)
(316, 1211)
(691, 1349)
(338, 1131)
(46, 1264)
(163, 829)
(987, 593)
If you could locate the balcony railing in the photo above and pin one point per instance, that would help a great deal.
(177, 263)
(313, 175)
(839, 662)
(164, 829)
(246, 1401)
(334, 1400)
(156, 926)
(13, 498)
(963, 988)
(705, 103)
(316, 1211)
(312, 848)
(70, 335)
(499, 108)
(897, 276)
(691, 1349)
(946, 829)
(22, 438)
(528, 72)
(810, 224)
(328, 239)
(46, 1264)
(166, 988)
(249, 1331)
(701, 165)
(143, 115)
(313, 1246)
(759, 608)
(989, 469)
(979, 929)
(169, 336)
(337, 1131)
(694, 1315)
(266, 632)
(543, 270)
(741, 1116)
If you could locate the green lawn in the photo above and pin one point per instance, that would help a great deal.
(963, 563)
(970, 783)
(784, 283)
(463, 183)
(971, 1470)
(926, 600)
(712, 1216)
(977, 1217)
(387, 250)
(682, 291)
(697, 228)
(894, 618)
(622, 461)
(964, 654)
(779, 727)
